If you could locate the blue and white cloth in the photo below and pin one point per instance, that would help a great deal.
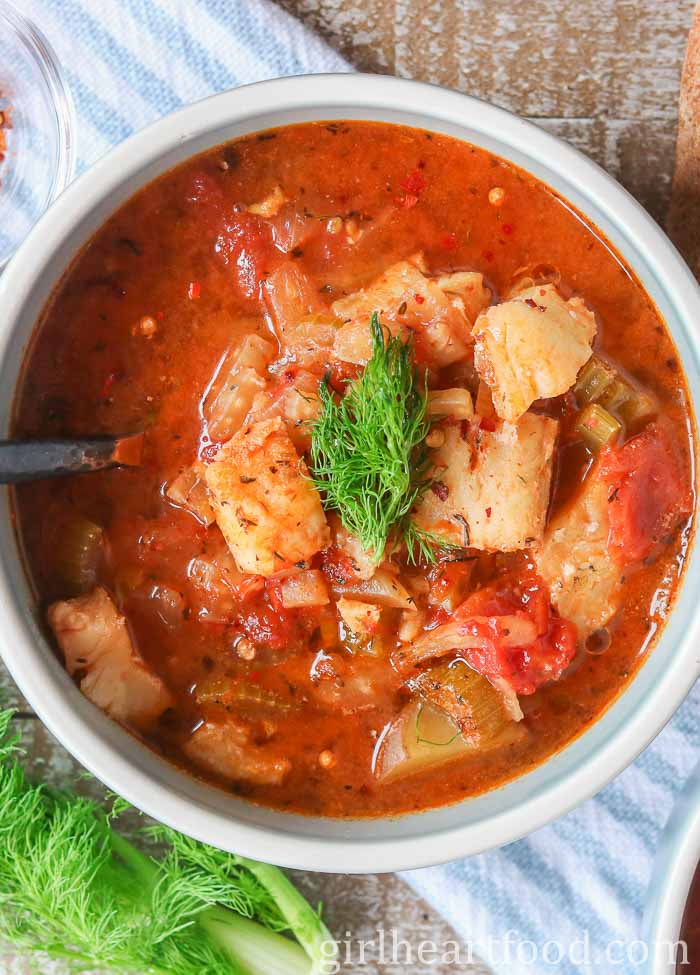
(128, 62)
(578, 884)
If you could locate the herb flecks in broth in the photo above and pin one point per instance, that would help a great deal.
(519, 399)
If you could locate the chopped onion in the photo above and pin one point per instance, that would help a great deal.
(189, 490)
(382, 588)
(456, 402)
(307, 588)
(271, 205)
(239, 378)
(472, 633)
(421, 738)
(509, 697)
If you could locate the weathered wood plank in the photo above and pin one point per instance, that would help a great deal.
(637, 152)
(573, 58)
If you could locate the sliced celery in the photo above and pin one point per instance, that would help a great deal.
(600, 382)
(640, 405)
(597, 427)
(593, 380)
(224, 689)
(615, 395)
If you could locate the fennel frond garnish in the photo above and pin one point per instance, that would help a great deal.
(369, 459)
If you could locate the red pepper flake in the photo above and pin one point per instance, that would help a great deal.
(449, 242)
(508, 229)
(488, 512)
(254, 675)
(407, 201)
(419, 299)
(487, 256)
(487, 424)
(160, 315)
(414, 183)
(107, 385)
(440, 490)
(193, 290)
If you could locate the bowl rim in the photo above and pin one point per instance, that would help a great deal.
(675, 864)
(92, 738)
(49, 67)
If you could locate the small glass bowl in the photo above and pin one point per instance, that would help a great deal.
(39, 160)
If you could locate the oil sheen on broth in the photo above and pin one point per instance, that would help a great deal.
(217, 604)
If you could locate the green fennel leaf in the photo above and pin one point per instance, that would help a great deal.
(368, 453)
(74, 889)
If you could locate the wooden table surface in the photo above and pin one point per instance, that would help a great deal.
(602, 74)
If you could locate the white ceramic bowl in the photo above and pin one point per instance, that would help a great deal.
(674, 868)
(131, 769)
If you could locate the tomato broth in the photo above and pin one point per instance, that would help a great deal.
(304, 673)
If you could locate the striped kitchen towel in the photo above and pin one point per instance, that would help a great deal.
(129, 62)
(569, 898)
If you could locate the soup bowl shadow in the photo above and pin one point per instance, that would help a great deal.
(120, 760)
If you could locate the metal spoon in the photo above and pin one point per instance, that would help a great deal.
(33, 460)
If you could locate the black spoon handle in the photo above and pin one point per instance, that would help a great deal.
(32, 460)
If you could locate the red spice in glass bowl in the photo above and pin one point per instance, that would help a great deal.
(5, 123)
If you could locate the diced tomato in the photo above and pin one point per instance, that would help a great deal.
(649, 492)
(523, 668)
(341, 373)
(336, 566)
(265, 625)
(250, 586)
(246, 245)
(273, 588)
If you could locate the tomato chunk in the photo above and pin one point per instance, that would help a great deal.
(649, 492)
(266, 625)
(523, 668)
(246, 244)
